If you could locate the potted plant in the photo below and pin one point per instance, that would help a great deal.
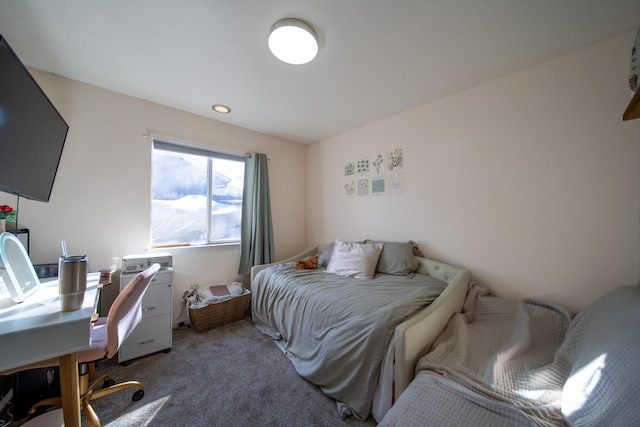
(6, 214)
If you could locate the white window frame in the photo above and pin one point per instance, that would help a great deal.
(183, 148)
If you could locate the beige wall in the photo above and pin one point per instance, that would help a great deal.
(532, 180)
(101, 197)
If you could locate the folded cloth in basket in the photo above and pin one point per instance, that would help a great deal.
(201, 295)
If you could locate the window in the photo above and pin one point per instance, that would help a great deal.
(183, 180)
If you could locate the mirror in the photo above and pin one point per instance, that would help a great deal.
(20, 277)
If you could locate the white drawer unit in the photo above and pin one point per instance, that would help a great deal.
(153, 334)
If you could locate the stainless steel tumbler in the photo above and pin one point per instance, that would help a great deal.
(72, 279)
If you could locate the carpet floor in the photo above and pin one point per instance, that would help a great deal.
(229, 376)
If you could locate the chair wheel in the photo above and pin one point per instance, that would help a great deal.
(108, 383)
(137, 395)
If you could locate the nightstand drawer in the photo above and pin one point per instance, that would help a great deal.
(157, 300)
(154, 333)
(148, 337)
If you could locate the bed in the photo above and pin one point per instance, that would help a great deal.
(511, 363)
(363, 366)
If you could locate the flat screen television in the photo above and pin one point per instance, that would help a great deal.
(32, 132)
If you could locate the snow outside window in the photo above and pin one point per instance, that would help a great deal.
(196, 195)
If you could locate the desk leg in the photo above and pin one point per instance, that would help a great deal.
(70, 390)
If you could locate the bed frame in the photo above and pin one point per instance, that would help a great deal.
(413, 337)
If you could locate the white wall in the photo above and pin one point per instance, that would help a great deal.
(532, 180)
(100, 202)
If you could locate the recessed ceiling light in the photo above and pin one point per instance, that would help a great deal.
(293, 41)
(222, 109)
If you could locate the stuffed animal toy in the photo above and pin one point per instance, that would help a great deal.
(309, 263)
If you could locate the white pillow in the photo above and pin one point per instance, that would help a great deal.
(357, 260)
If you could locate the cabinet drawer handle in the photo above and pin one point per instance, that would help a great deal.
(146, 342)
(149, 308)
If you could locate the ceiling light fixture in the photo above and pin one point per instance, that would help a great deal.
(222, 109)
(293, 41)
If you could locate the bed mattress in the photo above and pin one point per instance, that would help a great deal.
(334, 329)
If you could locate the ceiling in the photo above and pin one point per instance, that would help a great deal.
(376, 57)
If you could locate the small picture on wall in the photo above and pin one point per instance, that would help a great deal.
(395, 160)
(363, 187)
(350, 189)
(363, 166)
(378, 186)
(349, 169)
(378, 164)
(396, 184)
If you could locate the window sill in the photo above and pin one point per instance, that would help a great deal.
(191, 248)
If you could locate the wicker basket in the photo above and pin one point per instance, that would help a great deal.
(219, 313)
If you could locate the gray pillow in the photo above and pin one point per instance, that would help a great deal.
(602, 351)
(397, 258)
(325, 255)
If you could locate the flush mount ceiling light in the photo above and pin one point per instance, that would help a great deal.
(293, 41)
(222, 109)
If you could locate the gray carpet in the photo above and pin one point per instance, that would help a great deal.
(229, 376)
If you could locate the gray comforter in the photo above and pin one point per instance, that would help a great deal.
(511, 363)
(334, 329)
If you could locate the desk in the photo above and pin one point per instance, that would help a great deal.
(36, 330)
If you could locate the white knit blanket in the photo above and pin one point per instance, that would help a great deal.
(511, 363)
(491, 358)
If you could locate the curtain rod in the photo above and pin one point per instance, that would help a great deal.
(152, 137)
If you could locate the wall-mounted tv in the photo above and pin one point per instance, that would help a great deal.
(32, 132)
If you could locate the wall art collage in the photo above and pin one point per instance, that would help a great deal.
(375, 176)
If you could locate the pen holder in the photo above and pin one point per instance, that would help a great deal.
(72, 280)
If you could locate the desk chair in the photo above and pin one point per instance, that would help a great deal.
(107, 334)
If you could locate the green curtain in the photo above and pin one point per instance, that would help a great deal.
(256, 246)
